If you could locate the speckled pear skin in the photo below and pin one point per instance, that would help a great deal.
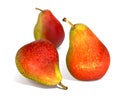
(39, 61)
(48, 27)
(87, 57)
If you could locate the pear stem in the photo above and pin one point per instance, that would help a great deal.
(39, 9)
(62, 86)
(66, 20)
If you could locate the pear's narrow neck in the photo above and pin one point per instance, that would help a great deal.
(75, 36)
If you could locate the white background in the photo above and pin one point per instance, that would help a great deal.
(17, 21)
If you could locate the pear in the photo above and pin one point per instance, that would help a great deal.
(87, 57)
(48, 27)
(39, 61)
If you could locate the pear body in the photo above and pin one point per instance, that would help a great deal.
(39, 62)
(48, 27)
(87, 57)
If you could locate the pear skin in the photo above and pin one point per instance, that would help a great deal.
(87, 57)
(39, 61)
(48, 27)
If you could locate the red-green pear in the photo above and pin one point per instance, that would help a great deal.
(39, 61)
(48, 27)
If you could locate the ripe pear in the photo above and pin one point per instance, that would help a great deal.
(48, 27)
(39, 61)
(87, 57)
